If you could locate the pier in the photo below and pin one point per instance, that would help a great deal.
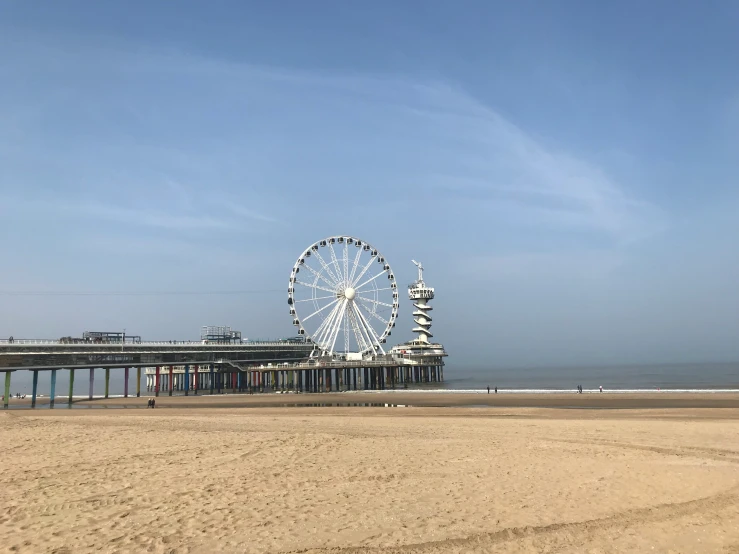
(191, 367)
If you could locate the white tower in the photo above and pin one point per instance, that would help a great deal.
(420, 294)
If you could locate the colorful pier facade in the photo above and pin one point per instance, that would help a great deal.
(307, 376)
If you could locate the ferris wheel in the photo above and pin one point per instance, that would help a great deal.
(343, 296)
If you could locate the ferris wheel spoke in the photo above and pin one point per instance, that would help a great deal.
(371, 331)
(325, 266)
(375, 302)
(365, 332)
(320, 310)
(376, 290)
(337, 325)
(325, 335)
(335, 261)
(314, 286)
(354, 266)
(316, 298)
(362, 339)
(374, 314)
(322, 277)
(331, 329)
(366, 325)
(364, 270)
(322, 331)
(359, 287)
(346, 262)
(346, 330)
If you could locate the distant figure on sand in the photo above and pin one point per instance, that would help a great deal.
(496, 390)
(488, 389)
(601, 388)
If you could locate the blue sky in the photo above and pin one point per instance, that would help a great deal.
(567, 172)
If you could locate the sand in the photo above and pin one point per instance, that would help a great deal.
(182, 480)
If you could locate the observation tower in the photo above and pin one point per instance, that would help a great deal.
(420, 294)
(427, 356)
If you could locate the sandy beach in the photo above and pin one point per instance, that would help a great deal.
(370, 479)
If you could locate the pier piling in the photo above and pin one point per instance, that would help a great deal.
(107, 381)
(35, 388)
(125, 382)
(170, 382)
(6, 396)
(71, 386)
(52, 393)
(138, 382)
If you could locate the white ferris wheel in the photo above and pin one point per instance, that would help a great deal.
(343, 296)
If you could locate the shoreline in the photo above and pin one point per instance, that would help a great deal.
(411, 399)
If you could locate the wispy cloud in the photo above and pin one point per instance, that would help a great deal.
(151, 218)
(469, 152)
(511, 170)
(577, 264)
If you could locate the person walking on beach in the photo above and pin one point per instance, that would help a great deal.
(496, 390)
(488, 389)
(601, 388)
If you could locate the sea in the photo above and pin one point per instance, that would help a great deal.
(624, 378)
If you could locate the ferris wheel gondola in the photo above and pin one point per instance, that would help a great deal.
(343, 296)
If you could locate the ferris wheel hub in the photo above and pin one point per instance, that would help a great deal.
(350, 293)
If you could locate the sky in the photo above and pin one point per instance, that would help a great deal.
(566, 172)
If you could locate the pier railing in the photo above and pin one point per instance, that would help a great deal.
(135, 345)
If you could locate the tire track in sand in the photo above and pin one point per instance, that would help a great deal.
(574, 531)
